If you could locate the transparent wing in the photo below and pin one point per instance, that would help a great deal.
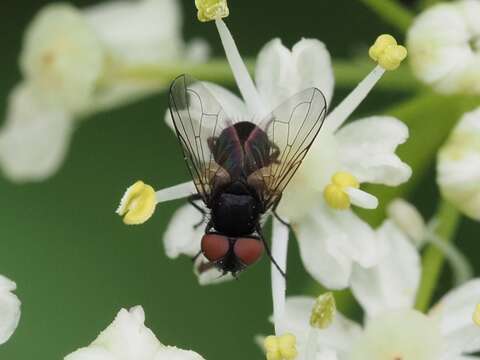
(290, 129)
(198, 119)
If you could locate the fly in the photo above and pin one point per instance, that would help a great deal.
(240, 169)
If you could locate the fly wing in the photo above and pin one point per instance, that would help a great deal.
(276, 148)
(199, 119)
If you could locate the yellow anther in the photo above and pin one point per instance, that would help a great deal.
(209, 10)
(323, 311)
(476, 315)
(138, 204)
(387, 52)
(335, 194)
(281, 347)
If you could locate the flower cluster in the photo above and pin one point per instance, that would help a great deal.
(76, 62)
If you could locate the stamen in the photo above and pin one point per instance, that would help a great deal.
(341, 113)
(389, 56)
(242, 77)
(175, 192)
(344, 191)
(280, 235)
(476, 315)
(281, 347)
(209, 10)
(137, 204)
(323, 311)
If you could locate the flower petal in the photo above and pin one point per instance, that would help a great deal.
(91, 353)
(127, 337)
(207, 273)
(281, 73)
(62, 57)
(34, 139)
(174, 353)
(338, 336)
(181, 237)
(9, 309)
(455, 311)
(153, 33)
(394, 281)
(436, 50)
(458, 166)
(370, 154)
(331, 241)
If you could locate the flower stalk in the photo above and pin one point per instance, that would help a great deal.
(392, 12)
(433, 259)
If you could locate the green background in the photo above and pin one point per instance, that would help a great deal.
(75, 262)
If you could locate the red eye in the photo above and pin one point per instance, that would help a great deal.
(215, 246)
(248, 250)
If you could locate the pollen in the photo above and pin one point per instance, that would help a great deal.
(476, 315)
(138, 204)
(335, 194)
(387, 52)
(209, 10)
(323, 311)
(281, 347)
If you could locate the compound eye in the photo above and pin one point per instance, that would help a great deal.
(215, 246)
(248, 250)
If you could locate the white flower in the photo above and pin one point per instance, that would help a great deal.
(75, 62)
(339, 160)
(443, 43)
(9, 309)
(458, 166)
(127, 338)
(392, 328)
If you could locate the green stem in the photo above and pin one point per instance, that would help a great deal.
(433, 259)
(392, 12)
(427, 3)
(347, 74)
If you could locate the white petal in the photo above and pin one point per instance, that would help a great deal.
(139, 31)
(362, 198)
(210, 275)
(35, 138)
(367, 149)
(9, 309)
(331, 241)
(394, 281)
(458, 166)
(455, 311)
(62, 57)
(408, 219)
(281, 73)
(91, 353)
(128, 338)
(339, 336)
(173, 353)
(180, 236)
(399, 334)
(435, 50)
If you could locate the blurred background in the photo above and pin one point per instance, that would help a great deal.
(76, 264)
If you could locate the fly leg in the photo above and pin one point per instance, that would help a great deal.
(269, 253)
(191, 199)
(274, 212)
